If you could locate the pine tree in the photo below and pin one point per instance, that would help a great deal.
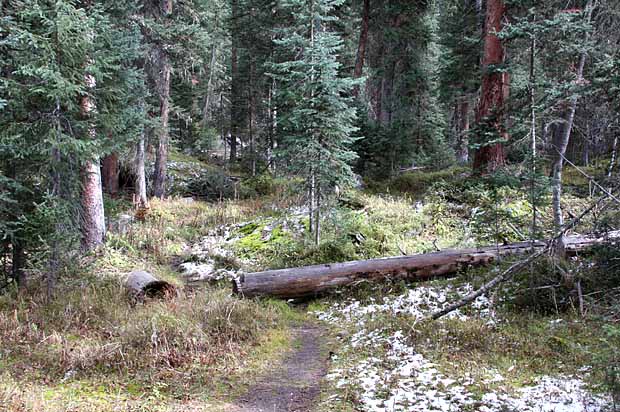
(52, 53)
(316, 122)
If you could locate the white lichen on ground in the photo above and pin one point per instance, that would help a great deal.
(385, 372)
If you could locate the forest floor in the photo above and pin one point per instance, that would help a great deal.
(366, 348)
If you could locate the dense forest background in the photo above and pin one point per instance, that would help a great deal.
(315, 89)
(320, 90)
(199, 143)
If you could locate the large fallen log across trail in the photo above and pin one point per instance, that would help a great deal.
(313, 280)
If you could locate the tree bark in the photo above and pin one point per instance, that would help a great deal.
(462, 154)
(208, 97)
(314, 280)
(162, 82)
(142, 284)
(110, 174)
(17, 264)
(361, 47)
(614, 155)
(93, 216)
(141, 199)
(494, 91)
(160, 74)
(560, 146)
(235, 86)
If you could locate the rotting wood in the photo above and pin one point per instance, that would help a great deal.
(314, 280)
(141, 284)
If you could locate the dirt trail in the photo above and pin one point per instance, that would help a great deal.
(293, 386)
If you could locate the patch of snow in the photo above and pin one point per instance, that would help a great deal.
(394, 378)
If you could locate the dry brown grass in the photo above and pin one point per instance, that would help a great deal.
(90, 348)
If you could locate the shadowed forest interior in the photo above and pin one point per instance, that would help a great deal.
(309, 205)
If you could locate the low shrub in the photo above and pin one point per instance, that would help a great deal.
(416, 183)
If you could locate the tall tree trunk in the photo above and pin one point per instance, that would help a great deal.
(317, 218)
(17, 264)
(141, 199)
(311, 200)
(560, 145)
(494, 90)
(251, 116)
(205, 109)
(110, 174)
(93, 217)
(161, 73)
(614, 155)
(162, 61)
(462, 155)
(271, 130)
(532, 85)
(363, 42)
(235, 87)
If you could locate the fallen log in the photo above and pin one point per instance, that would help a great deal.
(141, 284)
(314, 280)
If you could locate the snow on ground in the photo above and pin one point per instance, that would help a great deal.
(399, 379)
(219, 245)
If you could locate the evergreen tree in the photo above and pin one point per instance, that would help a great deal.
(316, 122)
(49, 50)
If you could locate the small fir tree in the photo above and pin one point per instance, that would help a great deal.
(316, 122)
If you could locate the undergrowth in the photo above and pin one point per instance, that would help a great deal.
(91, 347)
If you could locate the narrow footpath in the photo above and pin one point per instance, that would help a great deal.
(294, 385)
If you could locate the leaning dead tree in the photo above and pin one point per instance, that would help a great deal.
(314, 280)
(559, 240)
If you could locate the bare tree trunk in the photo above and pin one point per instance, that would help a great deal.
(161, 72)
(494, 90)
(93, 217)
(614, 155)
(560, 148)
(317, 218)
(205, 109)
(17, 264)
(311, 199)
(463, 131)
(361, 47)
(317, 279)
(161, 154)
(140, 183)
(251, 114)
(533, 138)
(235, 87)
(110, 174)
(271, 130)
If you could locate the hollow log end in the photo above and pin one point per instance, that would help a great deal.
(159, 289)
(141, 284)
(237, 285)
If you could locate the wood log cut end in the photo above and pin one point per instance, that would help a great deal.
(141, 284)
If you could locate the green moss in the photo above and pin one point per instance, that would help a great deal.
(254, 245)
(248, 228)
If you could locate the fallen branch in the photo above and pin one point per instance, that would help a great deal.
(505, 275)
(508, 273)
